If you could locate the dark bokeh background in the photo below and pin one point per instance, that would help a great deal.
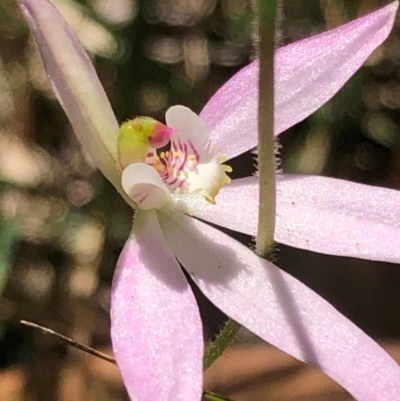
(63, 225)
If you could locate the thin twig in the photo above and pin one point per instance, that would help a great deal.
(71, 342)
(92, 351)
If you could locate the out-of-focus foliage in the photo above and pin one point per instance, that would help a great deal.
(8, 238)
(62, 224)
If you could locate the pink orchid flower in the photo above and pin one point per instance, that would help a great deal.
(156, 327)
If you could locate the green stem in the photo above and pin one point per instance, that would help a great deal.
(214, 397)
(266, 156)
(221, 343)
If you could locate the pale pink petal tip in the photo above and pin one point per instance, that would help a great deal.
(155, 324)
(339, 217)
(307, 74)
(75, 84)
(282, 311)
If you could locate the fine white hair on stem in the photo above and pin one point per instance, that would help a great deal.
(280, 17)
(277, 157)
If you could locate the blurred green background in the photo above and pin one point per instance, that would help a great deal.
(63, 225)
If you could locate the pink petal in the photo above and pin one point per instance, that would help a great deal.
(156, 328)
(236, 206)
(282, 311)
(307, 74)
(75, 84)
(339, 217)
(320, 214)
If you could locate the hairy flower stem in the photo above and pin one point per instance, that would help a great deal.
(221, 343)
(266, 160)
(266, 167)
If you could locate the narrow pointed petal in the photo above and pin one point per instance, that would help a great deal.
(75, 84)
(281, 310)
(307, 74)
(320, 214)
(155, 324)
(339, 217)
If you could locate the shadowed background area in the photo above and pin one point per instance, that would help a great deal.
(63, 225)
